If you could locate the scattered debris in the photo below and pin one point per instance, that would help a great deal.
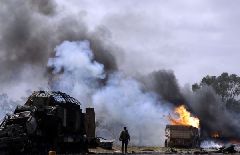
(229, 148)
(104, 143)
(171, 150)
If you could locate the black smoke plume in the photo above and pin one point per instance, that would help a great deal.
(164, 83)
(30, 30)
(213, 114)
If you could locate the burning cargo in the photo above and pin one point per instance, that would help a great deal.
(182, 136)
(48, 120)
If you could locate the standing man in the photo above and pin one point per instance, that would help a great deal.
(125, 138)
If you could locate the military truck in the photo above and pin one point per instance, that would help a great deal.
(182, 136)
(49, 120)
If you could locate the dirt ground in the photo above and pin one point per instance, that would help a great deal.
(144, 150)
(154, 150)
(132, 149)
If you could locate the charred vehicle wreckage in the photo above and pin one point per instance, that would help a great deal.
(48, 120)
(182, 136)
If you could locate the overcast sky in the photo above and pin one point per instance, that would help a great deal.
(191, 37)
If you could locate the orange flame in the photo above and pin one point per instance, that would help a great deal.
(215, 134)
(185, 118)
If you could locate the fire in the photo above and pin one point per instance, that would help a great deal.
(185, 118)
(215, 134)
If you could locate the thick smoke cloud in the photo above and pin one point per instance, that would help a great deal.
(46, 7)
(213, 114)
(75, 70)
(165, 84)
(120, 102)
(29, 32)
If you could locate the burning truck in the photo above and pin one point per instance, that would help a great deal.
(182, 136)
(48, 120)
(184, 131)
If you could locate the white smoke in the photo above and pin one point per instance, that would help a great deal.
(207, 144)
(119, 102)
(7, 105)
(122, 101)
(80, 71)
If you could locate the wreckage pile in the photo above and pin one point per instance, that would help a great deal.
(48, 120)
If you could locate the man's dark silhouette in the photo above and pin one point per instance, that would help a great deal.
(125, 138)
